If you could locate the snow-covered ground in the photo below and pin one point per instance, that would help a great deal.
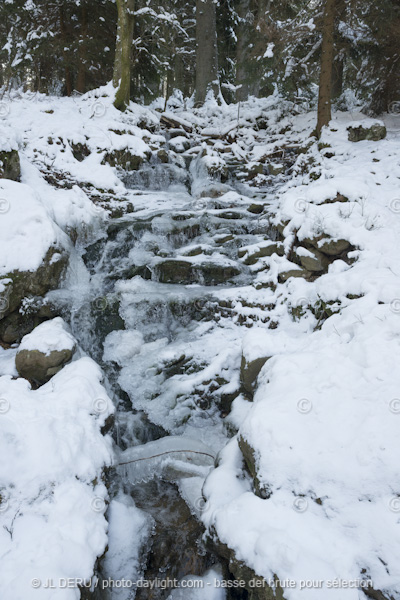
(323, 422)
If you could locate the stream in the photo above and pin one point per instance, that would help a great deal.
(151, 297)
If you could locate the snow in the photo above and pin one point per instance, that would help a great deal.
(26, 229)
(52, 497)
(129, 529)
(49, 336)
(195, 587)
(323, 421)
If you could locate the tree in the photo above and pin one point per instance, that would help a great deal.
(123, 53)
(206, 50)
(326, 73)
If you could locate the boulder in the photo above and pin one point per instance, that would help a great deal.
(249, 371)
(275, 169)
(373, 133)
(285, 275)
(313, 261)
(253, 253)
(185, 272)
(124, 159)
(10, 167)
(45, 351)
(20, 284)
(334, 247)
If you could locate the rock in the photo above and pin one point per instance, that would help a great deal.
(252, 254)
(124, 159)
(176, 547)
(214, 190)
(254, 170)
(374, 133)
(223, 239)
(162, 155)
(334, 247)
(45, 351)
(79, 151)
(249, 371)
(179, 143)
(16, 325)
(171, 120)
(314, 261)
(275, 169)
(256, 587)
(10, 167)
(20, 284)
(285, 275)
(256, 209)
(185, 272)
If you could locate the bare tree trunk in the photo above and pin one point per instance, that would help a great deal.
(327, 58)
(242, 51)
(81, 78)
(206, 50)
(123, 53)
(68, 74)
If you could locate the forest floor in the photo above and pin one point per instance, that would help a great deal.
(285, 253)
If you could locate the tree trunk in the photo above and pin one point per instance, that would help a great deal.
(64, 40)
(206, 50)
(242, 51)
(123, 53)
(82, 51)
(327, 58)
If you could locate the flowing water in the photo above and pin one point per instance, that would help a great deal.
(151, 298)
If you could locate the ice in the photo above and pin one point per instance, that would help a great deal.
(142, 463)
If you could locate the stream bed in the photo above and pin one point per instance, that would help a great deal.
(151, 298)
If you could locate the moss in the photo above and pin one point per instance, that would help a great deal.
(19, 284)
(124, 159)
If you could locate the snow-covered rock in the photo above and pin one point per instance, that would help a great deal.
(53, 499)
(45, 351)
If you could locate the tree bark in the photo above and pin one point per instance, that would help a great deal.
(67, 69)
(123, 53)
(82, 53)
(327, 58)
(206, 50)
(242, 51)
